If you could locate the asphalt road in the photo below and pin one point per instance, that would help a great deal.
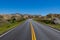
(23, 32)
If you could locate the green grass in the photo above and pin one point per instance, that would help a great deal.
(5, 27)
(57, 26)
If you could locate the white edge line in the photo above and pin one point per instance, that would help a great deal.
(51, 28)
(7, 32)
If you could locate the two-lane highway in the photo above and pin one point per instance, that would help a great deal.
(31, 30)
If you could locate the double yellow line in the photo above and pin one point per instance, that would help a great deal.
(32, 32)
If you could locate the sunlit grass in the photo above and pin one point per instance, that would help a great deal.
(5, 27)
(56, 26)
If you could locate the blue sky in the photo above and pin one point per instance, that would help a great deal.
(38, 7)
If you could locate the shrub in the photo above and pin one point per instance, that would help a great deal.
(47, 21)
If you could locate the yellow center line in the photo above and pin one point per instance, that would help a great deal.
(32, 32)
